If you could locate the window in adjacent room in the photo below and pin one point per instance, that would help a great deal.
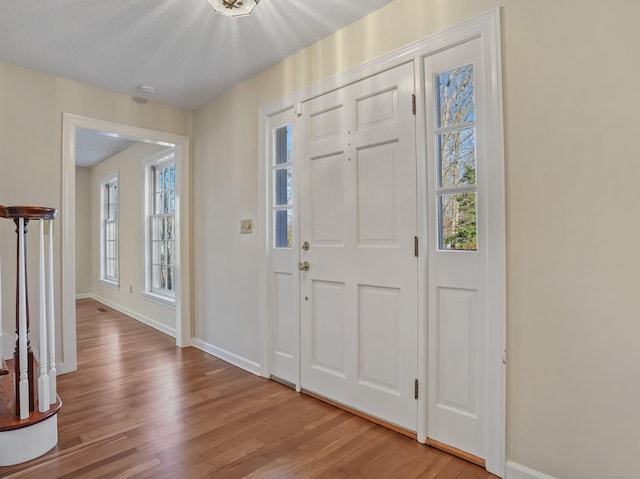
(109, 261)
(160, 238)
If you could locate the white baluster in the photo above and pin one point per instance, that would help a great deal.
(51, 332)
(43, 375)
(22, 326)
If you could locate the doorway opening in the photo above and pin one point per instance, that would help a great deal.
(179, 146)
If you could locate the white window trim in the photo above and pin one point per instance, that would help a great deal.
(111, 282)
(160, 299)
(149, 166)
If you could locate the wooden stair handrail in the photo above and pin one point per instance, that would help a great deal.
(28, 212)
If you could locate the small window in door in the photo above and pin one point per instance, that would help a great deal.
(282, 189)
(455, 137)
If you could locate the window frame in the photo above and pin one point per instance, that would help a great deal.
(289, 204)
(446, 190)
(105, 184)
(165, 158)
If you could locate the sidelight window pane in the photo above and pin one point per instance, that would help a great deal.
(457, 162)
(455, 96)
(283, 144)
(458, 229)
(283, 182)
(283, 228)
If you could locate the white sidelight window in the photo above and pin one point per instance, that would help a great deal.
(284, 276)
(109, 261)
(455, 136)
(160, 241)
(282, 202)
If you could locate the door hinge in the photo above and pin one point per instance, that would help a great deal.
(415, 246)
(415, 391)
(413, 103)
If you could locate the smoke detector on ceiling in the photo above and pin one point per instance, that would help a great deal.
(146, 90)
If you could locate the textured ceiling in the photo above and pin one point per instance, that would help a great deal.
(186, 51)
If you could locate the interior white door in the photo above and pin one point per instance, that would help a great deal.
(358, 215)
(284, 292)
(459, 241)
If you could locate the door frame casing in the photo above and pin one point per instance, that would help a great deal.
(70, 124)
(487, 27)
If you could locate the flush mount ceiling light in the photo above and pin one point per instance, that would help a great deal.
(234, 8)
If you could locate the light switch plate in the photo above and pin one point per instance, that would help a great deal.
(246, 227)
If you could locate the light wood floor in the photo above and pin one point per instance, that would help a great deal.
(138, 407)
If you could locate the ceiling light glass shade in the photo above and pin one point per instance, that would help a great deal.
(234, 8)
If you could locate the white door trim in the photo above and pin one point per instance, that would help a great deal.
(70, 124)
(487, 27)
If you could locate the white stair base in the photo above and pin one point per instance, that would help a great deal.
(27, 443)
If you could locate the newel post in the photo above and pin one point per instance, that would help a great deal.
(24, 380)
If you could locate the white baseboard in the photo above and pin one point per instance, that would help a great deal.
(518, 471)
(228, 356)
(84, 296)
(143, 319)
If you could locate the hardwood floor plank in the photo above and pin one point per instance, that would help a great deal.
(140, 408)
(470, 472)
(435, 468)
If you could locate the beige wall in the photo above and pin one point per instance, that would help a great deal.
(31, 108)
(573, 306)
(128, 164)
(571, 74)
(84, 221)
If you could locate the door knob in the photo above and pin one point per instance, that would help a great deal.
(305, 246)
(304, 266)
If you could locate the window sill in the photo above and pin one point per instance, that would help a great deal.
(109, 283)
(159, 299)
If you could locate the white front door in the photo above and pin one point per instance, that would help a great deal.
(357, 329)
(459, 246)
(358, 218)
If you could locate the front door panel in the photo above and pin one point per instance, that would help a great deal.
(358, 213)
